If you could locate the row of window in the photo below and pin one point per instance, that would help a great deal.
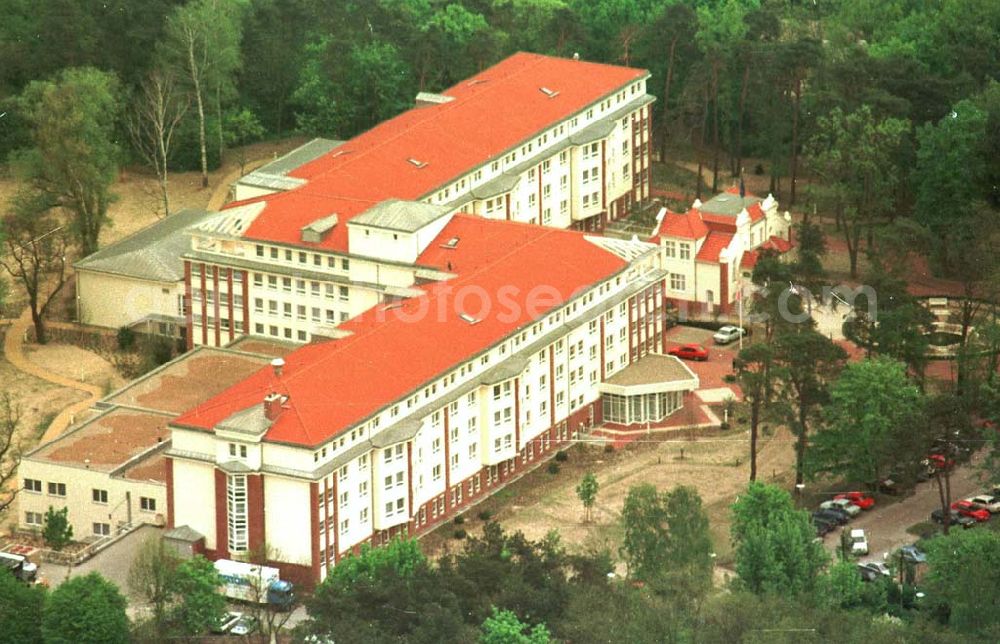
(298, 311)
(316, 289)
(273, 252)
(99, 496)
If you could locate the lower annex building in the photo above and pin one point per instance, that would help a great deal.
(424, 405)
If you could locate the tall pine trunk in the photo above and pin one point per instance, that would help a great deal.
(793, 171)
(715, 129)
(666, 101)
(744, 89)
(754, 422)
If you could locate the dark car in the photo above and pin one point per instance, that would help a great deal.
(831, 515)
(937, 516)
(823, 527)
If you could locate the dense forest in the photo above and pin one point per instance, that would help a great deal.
(733, 78)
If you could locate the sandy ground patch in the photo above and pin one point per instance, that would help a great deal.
(714, 464)
(76, 363)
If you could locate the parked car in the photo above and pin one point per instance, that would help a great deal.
(859, 542)
(878, 567)
(841, 504)
(988, 501)
(833, 515)
(823, 527)
(244, 626)
(225, 622)
(913, 554)
(969, 509)
(938, 462)
(867, 574)
(728, 334)
(690, 352)
(937, 516)
(860, 499)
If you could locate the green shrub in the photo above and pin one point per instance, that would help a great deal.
(609, 448)
(126, 338)
(553, 468)
(460, 533)
(562, 456)
(485, 515)
(459, 520)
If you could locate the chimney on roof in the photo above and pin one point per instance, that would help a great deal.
(272, 406)
(278, 365)
(576, 55)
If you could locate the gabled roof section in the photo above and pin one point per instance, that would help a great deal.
(153, 253)
(492, 113)
(395, 350)
(251, 420)
(404, 216)
(712, 246)
(686, 226)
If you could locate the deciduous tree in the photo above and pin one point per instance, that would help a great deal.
(867, 423)
(196, 585)
(20, 610)
(85, 609)
(36, 247)
(74, 158)
(155, 111)
(10, 448)
(503, 627)
(775, 545)
(964, 573)
(586, 491)
(153, 576)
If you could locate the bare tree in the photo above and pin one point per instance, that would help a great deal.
(10, 448)
(35, 253)
(157, 109)
(270, 618)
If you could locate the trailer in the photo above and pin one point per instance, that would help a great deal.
(19, 566)
(254, 584)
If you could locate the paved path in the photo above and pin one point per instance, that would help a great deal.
(13, 350)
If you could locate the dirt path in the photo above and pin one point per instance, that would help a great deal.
(13, 349)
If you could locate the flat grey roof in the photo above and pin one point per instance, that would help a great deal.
(396, 214)
(727, 203)
(153, 253)
(297, 158)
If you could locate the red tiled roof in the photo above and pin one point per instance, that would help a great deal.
(491, 112)
(394, 351)
(777, 243)
(712, 246)
(687, 226)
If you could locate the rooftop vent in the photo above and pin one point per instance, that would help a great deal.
(340, 153)
(451, 243)
(576, 55)
(316, 231)
(468, 318)
(548, 92)
(417, 162)
(478, 81)
(278, 365)
(425, 99)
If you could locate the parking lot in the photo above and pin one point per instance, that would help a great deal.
(886, 523)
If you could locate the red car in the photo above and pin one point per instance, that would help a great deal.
(970, 509)
(690, 352)
(860, 499)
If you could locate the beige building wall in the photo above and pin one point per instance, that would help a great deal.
(194, 498)
(113, 300)
(286, 519)
(123, 495)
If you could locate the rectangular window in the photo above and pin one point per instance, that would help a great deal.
(685, 251)
(343, 293)
(677, 282)
(34, 518)
(57, 489)
(32, 485)
(147, 504)
(236, 510)
(99, 496)
(102, 529)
